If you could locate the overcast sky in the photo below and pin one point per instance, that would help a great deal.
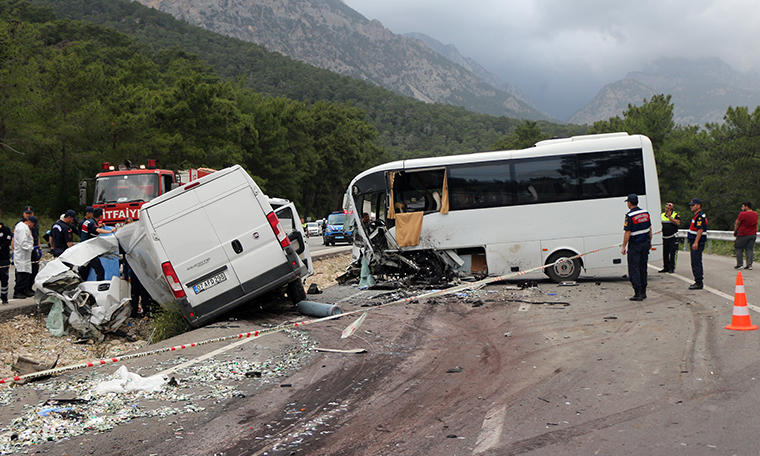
(561, 52)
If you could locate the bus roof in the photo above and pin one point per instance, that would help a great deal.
(549, 147)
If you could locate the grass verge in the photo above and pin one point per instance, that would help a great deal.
(167, 324)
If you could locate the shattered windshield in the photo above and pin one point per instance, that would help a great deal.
(126, 188)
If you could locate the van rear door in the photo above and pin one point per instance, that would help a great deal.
(240, 222)
(200, 261)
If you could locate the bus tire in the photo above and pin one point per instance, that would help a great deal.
(296, 293)
(567, 271)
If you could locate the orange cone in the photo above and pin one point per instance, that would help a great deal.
(740, 321)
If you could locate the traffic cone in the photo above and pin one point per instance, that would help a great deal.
(740, 320)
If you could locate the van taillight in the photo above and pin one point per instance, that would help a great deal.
(274, 222)
(171, 277)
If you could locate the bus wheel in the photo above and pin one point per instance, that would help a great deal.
(566, 271)
(296, 293)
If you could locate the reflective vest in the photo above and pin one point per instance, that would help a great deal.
(669, 229)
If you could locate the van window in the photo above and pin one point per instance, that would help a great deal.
(287, 219)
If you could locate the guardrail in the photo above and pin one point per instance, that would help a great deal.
(711, 235)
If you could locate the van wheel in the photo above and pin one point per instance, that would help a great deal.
(567, 271)
(296, 293)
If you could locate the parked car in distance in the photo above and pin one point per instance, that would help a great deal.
(312, 229)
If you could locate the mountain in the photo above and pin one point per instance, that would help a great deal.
(701, 91)
(452, 53)
(330, 35)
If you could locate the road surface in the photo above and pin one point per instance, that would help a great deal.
(549, 370)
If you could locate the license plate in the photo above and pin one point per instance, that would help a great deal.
(208, 283)
(338, 237)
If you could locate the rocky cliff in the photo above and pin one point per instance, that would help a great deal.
(701, 91)
(329, 34)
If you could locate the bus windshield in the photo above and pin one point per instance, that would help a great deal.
(126, 188)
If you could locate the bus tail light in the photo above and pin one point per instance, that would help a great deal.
(171, 278)
(274, 222)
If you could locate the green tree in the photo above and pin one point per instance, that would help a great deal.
(732, 167)
(525, 135)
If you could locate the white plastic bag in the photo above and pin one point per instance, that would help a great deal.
(128, 381)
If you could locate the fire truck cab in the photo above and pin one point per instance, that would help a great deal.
(121, 190)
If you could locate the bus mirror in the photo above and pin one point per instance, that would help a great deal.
(83, 193)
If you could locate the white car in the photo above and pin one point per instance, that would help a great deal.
(312, 229)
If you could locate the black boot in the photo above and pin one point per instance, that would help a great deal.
(636, 296)
(4, 298)
(643, 293)
(696, 286)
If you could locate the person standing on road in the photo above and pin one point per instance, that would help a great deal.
(745, 231)
(5, 260)
(697, 238)
(23, 244)
(671, 220)
(638, 238)
(37, 251)
(61, 234)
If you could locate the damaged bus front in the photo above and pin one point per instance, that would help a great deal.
(496, 213)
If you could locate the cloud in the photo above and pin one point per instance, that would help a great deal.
(561, 53)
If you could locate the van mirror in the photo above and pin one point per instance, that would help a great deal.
(296, 241)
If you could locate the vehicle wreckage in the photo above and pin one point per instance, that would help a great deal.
(89, 307)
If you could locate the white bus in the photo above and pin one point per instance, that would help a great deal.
(496, 213)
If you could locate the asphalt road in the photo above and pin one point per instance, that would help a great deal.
(550, 370)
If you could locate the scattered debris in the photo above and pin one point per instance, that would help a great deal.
(454, 370)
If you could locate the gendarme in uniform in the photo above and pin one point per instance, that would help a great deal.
(638, 236)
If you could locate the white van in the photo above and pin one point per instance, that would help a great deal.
(212, 245)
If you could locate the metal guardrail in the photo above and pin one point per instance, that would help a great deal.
(711, 235)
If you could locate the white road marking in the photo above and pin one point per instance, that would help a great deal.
(204, 357)
(711, 290)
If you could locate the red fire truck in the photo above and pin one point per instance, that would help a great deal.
(121, 190)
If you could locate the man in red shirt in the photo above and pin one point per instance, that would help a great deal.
(745, 230)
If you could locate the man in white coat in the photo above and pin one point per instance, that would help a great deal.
(23, 244)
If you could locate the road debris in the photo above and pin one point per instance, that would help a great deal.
(199, 385)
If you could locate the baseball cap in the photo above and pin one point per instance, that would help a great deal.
(70, 213)
(28, 209)
(695, 201)
(88, 209)
(632, 198)
(32, 219)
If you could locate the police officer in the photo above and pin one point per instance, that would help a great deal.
(638, 238)
(93, 228)
(84, 227)
(61, 234)
(671, 220)
(697, 238)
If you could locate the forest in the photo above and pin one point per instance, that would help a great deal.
(75, 93)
